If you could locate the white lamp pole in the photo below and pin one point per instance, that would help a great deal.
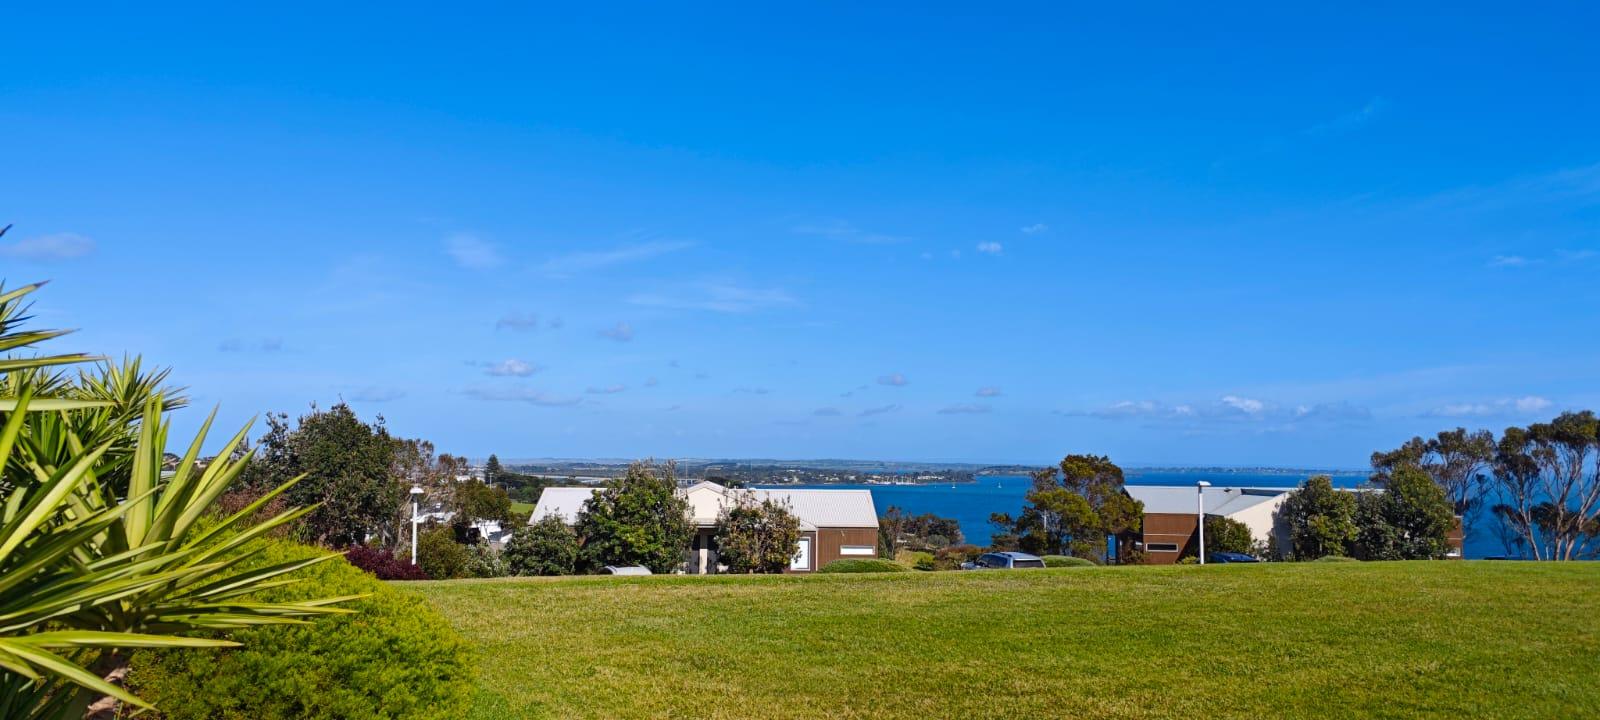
(1200, 515)
(416, 493)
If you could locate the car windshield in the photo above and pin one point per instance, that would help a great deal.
(1027, 563)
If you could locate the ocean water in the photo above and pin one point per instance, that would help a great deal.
(971, 503)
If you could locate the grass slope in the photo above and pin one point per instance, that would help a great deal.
(1440, 639)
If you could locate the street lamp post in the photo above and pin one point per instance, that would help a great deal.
(1200, 515)
(416, 494)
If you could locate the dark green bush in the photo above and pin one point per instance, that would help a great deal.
(1066, 561)
(1335, 558)
(441, 556)
(394, 658)
(862, 565)
(547, 547)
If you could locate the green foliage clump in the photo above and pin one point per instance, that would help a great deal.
(951, 558)
(862, 565)
(484, 561)
(441, 556)
(1066, 561)
(638, 519)
(1410, 520)
(1072, 509)
(1228, 535)
(1321, 519)
(394, 658)
(916, 559)
(346, 464)
(756, 537)
(1335, 559)
(547, 547)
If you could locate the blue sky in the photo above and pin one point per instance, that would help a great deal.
(1174, 235)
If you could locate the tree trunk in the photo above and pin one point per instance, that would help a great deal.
(113, 668)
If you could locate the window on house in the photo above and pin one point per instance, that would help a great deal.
(1161, 547)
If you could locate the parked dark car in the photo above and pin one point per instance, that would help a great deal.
(1230, 557)
(1004, 561)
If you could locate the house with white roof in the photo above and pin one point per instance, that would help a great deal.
(1171, 516)
(834, 524)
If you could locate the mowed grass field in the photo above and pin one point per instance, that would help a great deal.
(1398, 640)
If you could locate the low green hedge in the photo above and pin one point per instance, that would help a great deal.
(1066, 561)
(394, 658)
(863, 565)
(1335, 558)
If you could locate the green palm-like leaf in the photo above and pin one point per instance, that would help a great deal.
(98, 547)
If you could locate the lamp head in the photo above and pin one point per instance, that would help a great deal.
(1202, 485)
(416, 490)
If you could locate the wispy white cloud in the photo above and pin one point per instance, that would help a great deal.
(580, 262)
(48, 248)
(988, 392)
(264, 345)
(717, 297)
(1502, 407)
(1035, 229)
(826, 412)
(880, 410)
(964, 409)
(751, 390)
(841, 230)
(522, 395)
(1351, 120)
(990, 248)
(606, 390)
(1500, 261)
(1229, 409)
(893, 380)
(1559, 257)
(1248, 406)
(621, 332)
(521, 321)
(510, 368)
(472, 252)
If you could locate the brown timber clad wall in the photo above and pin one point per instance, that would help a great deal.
(1177, 529)
(826, 542)
(1457, 538)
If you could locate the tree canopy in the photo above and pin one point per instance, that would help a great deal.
(756, 537)
(1073, 507)
(1321, 519)
(638, 519)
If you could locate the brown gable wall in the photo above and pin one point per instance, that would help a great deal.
(1175, 528)
(826, 542)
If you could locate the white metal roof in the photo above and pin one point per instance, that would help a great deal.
(828, 508)
(1219, 500)
(814, 508)
(563, 502)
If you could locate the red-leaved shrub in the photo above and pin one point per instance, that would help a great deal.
(384, 564)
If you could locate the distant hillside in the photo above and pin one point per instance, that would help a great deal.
(828, 470)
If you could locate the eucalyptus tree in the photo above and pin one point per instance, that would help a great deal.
(1456, 460)
(1564, 449)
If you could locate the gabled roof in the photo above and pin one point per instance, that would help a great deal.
(815, 508)
(1180, 499)
(563, 502)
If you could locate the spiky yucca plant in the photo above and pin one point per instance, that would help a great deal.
(100, 550)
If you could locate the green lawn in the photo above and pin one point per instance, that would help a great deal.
(1423, 639)
(522, 507)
